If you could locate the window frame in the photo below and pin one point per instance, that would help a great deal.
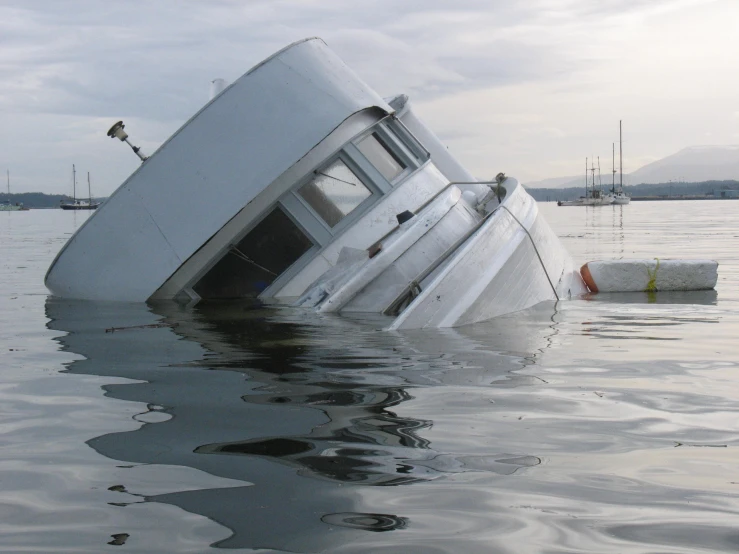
(380, 137)
(346, 157)
(283, 277)
(394, 136)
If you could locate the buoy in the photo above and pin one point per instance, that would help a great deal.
(649, 275)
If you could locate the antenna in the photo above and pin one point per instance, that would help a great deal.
(116, 131)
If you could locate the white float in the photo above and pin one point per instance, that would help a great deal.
(649, 275)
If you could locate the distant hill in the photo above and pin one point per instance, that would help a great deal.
(557, 182)
(37, 200)
(690, 165)
(693, 164)
(569, 182)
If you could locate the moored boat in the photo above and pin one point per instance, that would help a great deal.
(76, 203)
(298, 181)
(619, 196)
(593, 195)
(7, 205)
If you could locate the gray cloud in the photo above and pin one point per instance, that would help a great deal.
(74, 65)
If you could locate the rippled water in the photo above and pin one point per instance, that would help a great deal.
(606, 424)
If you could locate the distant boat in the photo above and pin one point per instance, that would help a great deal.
(7, 206)
(619, 196)
(79, 204)
(593, 195)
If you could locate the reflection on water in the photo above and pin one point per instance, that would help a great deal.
(300, 406)
(338, 431)
(601, 424)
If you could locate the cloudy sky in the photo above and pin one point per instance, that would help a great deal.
(529, 88)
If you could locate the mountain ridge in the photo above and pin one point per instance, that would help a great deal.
(691, 164)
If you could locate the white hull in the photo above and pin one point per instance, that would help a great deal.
(602, 201)
(506, 262)
(317, 215)
(621, 199)
(498, 271)
(10, 208)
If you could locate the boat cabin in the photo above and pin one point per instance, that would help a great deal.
(298, 181)
(260, 191)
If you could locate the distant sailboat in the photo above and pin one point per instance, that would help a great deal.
(7, 206)
(619, 196)
(79, 204)
(593, 196)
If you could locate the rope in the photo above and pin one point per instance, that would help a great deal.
(554, 290)
(336, 178)
(652, 284)
(415, 283)
(239, 254)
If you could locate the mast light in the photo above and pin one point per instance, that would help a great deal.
(116, 131)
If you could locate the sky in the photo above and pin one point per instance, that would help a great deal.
(528, 88)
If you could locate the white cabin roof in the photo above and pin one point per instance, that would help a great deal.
(212, 167)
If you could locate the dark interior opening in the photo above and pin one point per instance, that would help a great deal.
(257, 260)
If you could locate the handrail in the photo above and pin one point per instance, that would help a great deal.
(429, 201)
(415, 284)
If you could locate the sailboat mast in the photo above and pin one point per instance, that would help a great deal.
(89, 189)
(592, 175)
(8, 172)
(586, 176)
(74, 184)
(600, 183)
(620, 158)
(613, 170)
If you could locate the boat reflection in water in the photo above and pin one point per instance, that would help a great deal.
(306, 409)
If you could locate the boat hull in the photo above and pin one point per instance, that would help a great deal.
(426, 244)
(511, 263)
(621, 200)
(79, 207)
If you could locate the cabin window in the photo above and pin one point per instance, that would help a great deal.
(334, 192)
(381, 157)
(250, 266)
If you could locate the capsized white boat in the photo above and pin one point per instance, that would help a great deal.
(299, 181)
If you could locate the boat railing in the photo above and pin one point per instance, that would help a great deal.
(377, 244)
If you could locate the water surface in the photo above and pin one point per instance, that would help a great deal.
(603, 424)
